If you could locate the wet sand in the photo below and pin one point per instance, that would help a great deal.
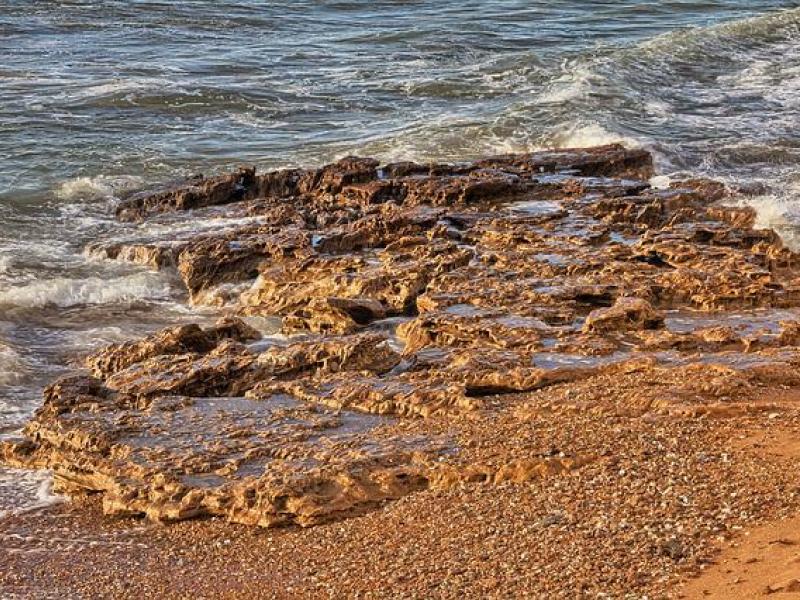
(761, 562)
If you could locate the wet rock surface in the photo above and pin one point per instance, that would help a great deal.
(423, 310)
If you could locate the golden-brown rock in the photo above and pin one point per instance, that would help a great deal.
(173, 340)
(625, 314)
(550, 283)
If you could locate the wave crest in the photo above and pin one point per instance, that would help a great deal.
(581, 135)
(12, 366)
(100, 187)
(64, 292)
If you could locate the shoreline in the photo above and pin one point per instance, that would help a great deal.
(530, 374)
(485, 542)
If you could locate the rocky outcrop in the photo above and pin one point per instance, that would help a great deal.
(338, 294)
(197, 192)
(182, 339)
(417, 303)
(625, 314)
(363, 353)
(213, 261)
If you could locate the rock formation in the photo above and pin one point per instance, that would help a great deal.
(413, 294)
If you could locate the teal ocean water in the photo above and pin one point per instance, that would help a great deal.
(99, 98)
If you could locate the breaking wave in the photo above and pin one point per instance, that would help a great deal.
(5, 264)
(99, 187)
(12, 366)
(695, 95)
(591, 134)
(64, 292)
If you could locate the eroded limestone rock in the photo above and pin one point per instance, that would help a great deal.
(627, 313)
(387, 282)
(213, 261)
(368, 352)
(415, 299)
(260, 462)
(174, 340)
(196, 192)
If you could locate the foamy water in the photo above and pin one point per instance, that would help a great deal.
(98, 187)
(12, 367)
(96, 103)
(22, 491)
(65, 292)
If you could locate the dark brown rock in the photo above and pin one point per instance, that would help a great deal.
(196, 192)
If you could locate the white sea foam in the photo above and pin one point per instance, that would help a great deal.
(659, 108)
(175, 228)
(12, 366)
(96, 336)
(5, 263)
(575, 83)
(660, 182)
(772, 73)
(65, 292)
(116, 87)
(98, 187)
(23, 491)
(770, 211)
(582, 135)
(779, 212)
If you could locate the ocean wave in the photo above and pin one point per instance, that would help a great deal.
(85, 340)
(100, 187)
(768, 28)
(692, 97)
(12, 366)
(27, 260)
(576, 82)
(579, 135)
(772, 75)
(778, 211)
(64, 292)
(114, 88)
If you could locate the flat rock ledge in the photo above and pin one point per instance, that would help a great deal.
(418, 307)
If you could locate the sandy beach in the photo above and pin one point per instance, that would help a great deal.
(616, 527)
